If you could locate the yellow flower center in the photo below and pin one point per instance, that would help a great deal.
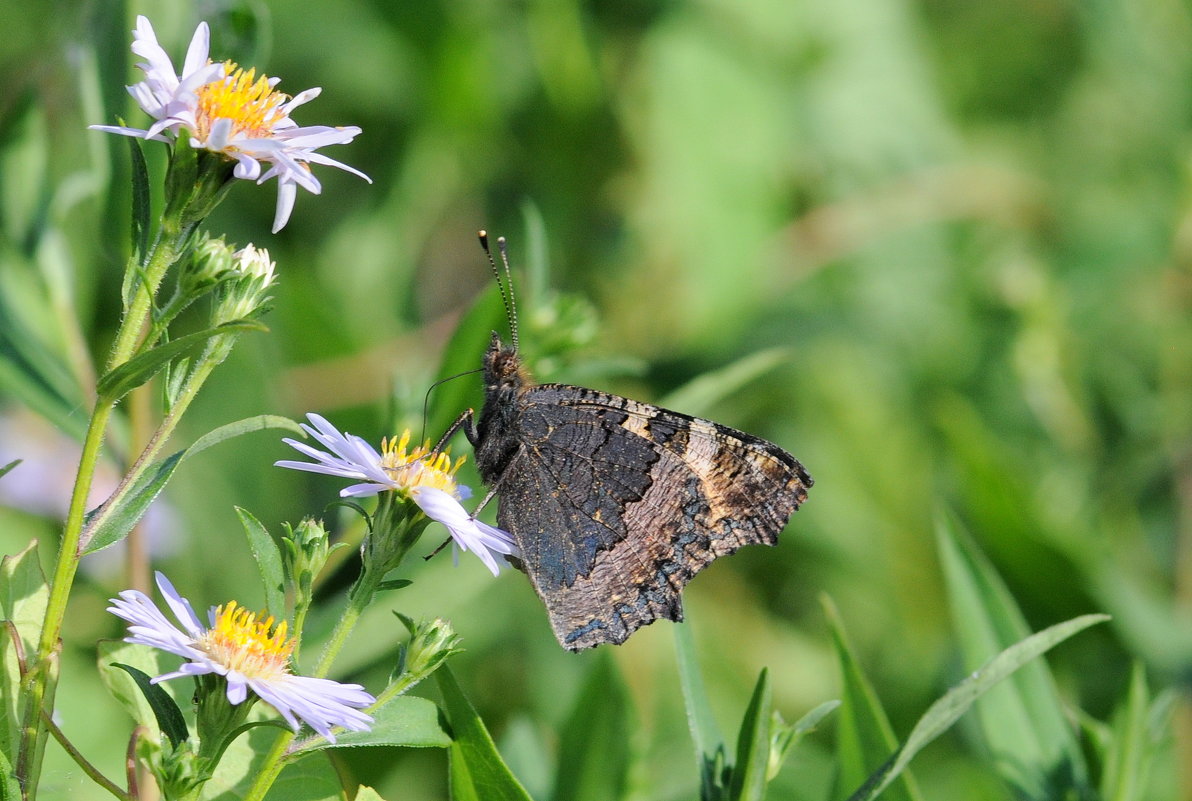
(419, 467)
(246, 100)
(242, 642)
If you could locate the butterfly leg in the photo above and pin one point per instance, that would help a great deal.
(466, 421)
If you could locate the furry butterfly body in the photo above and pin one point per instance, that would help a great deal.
(617, 504)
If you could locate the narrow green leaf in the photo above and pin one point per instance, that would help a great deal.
(123, 687)
(784, 738)
(702, 393)
(537, 262)
(23, 596)
(8, 467)
(477, 771)
(259, 422)
(864, 738)
(140, 203)
(463, 353)
(115, 517)
(1023, 720)
(268, 558)
(594, 755)
(1131, 744)
(940, 716)
(393, 584)
(168, 715)
(710, 752)
(34, 372)
(142, 367)
(753, 746)
(407, 721)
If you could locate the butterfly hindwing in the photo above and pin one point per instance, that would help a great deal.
(616, 504)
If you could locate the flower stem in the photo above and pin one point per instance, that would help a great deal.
(91, 771)
(39, 680)
(358, 597)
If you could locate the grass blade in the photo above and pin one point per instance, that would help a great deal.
(864, 737)
(1023, 721)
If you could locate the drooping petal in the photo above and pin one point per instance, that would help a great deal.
(486, 541)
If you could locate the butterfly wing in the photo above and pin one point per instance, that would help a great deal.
(646, 497)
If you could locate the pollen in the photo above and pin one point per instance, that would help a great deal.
(245, 100)
(248, 643)
(420, 467)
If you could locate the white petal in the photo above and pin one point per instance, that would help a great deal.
(200, 46)
(467, 532)
(286, 192)
(237, 688)
(179, 606)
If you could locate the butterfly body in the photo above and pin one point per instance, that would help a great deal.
(617, 504)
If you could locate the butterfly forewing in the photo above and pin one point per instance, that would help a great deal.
(616, 504)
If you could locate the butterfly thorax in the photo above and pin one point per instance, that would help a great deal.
(505, 379)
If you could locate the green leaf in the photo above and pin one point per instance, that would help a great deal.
(367, 794)
(705, 734)
(940, 716)
(463, 354)
(594, 755)
(1023, 721)
(123, 686)
(8, 467)
(1132, 742)
(142, 367)
(784, 738)
(748, 781)
(407, 721)
(23, 596)
(477, 771)
(268, 558)
(140, 204)
(393, 584)
(115, 517)
(305, 779)
(864, 739)
(10, 788)
(165, 711)
(702, 393)
(32, 370)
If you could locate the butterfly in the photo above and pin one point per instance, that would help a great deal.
(616, 504)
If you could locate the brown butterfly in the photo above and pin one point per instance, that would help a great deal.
(617, 504)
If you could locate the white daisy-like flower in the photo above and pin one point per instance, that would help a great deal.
(250, 653)
(223, 108)
(428, 478)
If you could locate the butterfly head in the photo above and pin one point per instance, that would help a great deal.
(503, 368)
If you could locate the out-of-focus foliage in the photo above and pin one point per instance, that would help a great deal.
(965, 227)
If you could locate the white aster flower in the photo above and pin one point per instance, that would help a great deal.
(428, 478)
(251, 654)
(227, 110)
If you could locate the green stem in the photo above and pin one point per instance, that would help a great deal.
(38, 680)
(358, 598)
(215, 353)
(91, 771)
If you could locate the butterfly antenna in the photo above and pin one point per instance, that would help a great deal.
(503, 248)
(431, 388)
(506, 296)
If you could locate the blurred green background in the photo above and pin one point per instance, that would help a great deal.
(957, 232)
